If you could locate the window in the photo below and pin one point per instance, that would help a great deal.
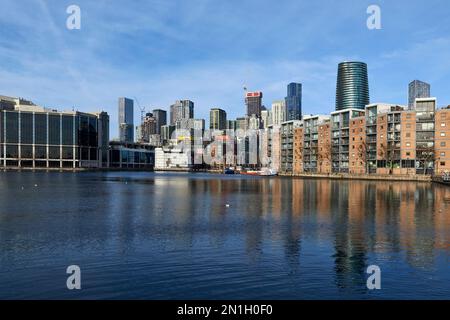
(408, 144)
(442, 154)
(408, 135)
(408, 154)
(408, 116)
(442, 164)
(408, 125)
(443, 124)
(443, 144)
(442, 134)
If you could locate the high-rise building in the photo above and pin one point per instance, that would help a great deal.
(242, 123)
(278, 112)
(266, 118)
(231, 124)
(181, 109)
(126, 120)
(352, 87)
(294, 101)
(417, 89)
(147, 128)
(253, 100)
(160, 118)
(217, 119)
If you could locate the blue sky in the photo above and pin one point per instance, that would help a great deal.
(207, 50)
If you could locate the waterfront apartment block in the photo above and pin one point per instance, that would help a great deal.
(357, 146)
(274, 146)
(340, 138)
(324, 151)
(287, 145)
(298, 164)
(35, 137)
(385, 139)
(311, 142)
(442, 129)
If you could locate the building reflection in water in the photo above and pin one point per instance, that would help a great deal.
(357, 219)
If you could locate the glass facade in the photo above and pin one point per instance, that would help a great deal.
(294, 102)
(352, 88)
(52, 140)
(417, 89)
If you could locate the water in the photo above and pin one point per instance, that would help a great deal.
(198, 236)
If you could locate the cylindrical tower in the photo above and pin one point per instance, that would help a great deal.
(352, 88)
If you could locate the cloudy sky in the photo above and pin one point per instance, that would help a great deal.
(159, 51)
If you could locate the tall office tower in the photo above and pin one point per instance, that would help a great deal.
(266, 118)
(278, 112)
(417, 89)
(160, 118)
(217, 119)
(181, 109)
(148, 127)
(231, 124)
(126, 120)
(253, 100)
(352, 88)
(294, 101)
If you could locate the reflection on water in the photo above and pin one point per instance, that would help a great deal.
(140, 235)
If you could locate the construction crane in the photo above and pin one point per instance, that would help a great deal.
(142, 109)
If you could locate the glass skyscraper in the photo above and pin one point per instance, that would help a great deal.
(294, 102)
(126, 120)
(417, 89)
(352, 88)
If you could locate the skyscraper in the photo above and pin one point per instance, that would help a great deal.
(266, 118)
(126, 120)
(253, 100)
(181, 109)
(161, 119)
(352, 88)
(417, 89)
(278, 112)
(217, 119)
(294, 101)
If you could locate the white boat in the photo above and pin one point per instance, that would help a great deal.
(268, 172)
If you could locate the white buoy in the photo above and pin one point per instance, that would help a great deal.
(227, 205)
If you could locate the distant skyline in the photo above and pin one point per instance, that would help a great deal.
(207, 51)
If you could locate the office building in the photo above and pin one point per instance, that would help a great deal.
(160, 118)
(126, 120)
(266, 118)
(417, 89)
(294, 102)
(217, 119)
(278, 112)
(180, 110)
(36, 137)
(253, 101)
(231, 124)
(352, 87)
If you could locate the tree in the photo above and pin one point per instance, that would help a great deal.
(424, 157)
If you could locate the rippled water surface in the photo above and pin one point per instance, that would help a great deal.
(196, 236)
